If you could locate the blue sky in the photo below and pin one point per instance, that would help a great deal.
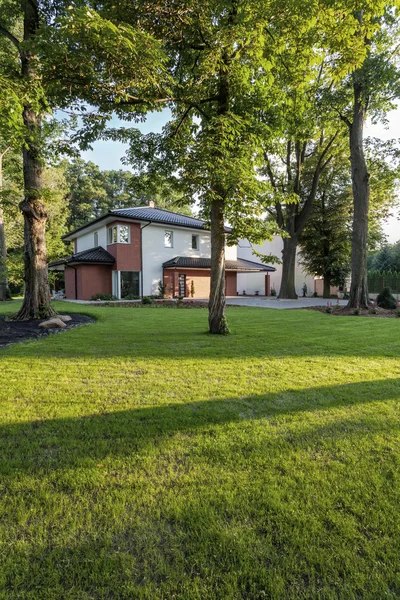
(108, 154)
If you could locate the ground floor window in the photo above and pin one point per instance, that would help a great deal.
(126, 284)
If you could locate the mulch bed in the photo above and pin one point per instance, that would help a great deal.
(343, 311)
(20, 331)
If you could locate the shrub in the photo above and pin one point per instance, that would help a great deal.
(161, 289)
(192, 290)
(106, 297)
(273, 292)
(147, 300)
(356, 311)
(397, 312)
(372, 311)
(385, 299)
(131, 297)
(315, 295)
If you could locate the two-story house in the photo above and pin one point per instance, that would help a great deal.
(127, 252)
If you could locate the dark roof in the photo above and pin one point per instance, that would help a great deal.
(93, 255)
(240, 264)
(154, 215)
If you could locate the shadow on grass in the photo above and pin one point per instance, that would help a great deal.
(69, 443)
(177, 535)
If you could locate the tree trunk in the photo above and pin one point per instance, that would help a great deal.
(3, 248)
(36, 303)
(288, 287)
(360, 184)
(327, 287)
(216, 307)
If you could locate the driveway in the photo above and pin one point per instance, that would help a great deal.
(272, 302)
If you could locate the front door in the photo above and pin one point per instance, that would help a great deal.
(182, 286)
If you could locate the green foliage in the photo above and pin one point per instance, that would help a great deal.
(326, 240)
(161, 289)
(107, 297)
(147, 300)
(385, 299)
(192, 289)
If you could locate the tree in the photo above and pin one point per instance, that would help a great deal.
(373, 87)
(93, 192)
(29, 28)
(326, 240)
(221, 57)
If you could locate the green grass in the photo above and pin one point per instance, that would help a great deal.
(141, 458)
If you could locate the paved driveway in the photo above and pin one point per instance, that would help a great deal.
(268, 302)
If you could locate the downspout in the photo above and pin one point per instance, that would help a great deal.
(141, 255)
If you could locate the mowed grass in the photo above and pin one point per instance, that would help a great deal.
(142, 458)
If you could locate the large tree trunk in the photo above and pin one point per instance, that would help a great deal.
(360, 184)
(37, 291)
(3, 248)
(327, 287)
(216, 308)
(288, 286)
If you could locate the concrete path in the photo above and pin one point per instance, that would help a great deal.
(271, 302)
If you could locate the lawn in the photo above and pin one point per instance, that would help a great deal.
(141, 458)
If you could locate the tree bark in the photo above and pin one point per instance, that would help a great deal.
(288, 287)
(36, 303)
(216, 307)
(3, 247)
(361, 193)
(327, 287)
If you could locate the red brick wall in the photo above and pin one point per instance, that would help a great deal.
(127, 256)
(69, 283)
(201, 281)
(91, 279)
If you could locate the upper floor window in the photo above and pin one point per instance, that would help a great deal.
(195, 242)
(119, 234)
(168, 239)
(96, 239)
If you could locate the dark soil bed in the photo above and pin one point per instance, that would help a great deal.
(343, 311)
(19, 331)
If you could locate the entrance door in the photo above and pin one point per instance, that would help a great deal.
(182, 285)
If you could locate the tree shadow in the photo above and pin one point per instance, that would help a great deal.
(72, 442)
(181, 535)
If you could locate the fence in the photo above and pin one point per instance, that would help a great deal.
(378, 280)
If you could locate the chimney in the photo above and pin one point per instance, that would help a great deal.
(151, 204)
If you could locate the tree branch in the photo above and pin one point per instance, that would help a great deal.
(11, 37)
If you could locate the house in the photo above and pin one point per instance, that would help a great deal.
(253, 283)
(127, 252)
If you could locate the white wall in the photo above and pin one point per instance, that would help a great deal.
(155, 253)
(251, 282)
(86, 241)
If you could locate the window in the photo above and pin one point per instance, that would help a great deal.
(129, 284)
(195, 242)
(119, 234)
(168, 239)
(96, 239)
(123, 234)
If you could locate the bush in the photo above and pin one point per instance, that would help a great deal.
(273, 292)
(106, 297)
(161, 289)
(385, 299)
(315, 295)
(147, 300)
(131, 297)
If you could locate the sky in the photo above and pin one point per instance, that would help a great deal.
(108, 154)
